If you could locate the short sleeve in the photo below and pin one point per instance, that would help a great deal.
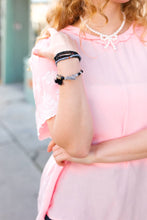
(45, 90)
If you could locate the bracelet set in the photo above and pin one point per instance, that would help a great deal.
(64, 55)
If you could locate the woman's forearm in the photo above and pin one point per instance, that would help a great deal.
(132, 147)
(73, 125)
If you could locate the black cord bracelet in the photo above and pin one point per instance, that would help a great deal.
(66, 55)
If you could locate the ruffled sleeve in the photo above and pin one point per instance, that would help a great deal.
(45, 90)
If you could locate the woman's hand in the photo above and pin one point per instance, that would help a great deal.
(59, 41)
(61, 156)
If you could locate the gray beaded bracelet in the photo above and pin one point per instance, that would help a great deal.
(59, 78)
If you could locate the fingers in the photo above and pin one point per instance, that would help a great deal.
(50, 146)
(42, 53)
(60, 160)
(61, 163)
(56, 147)
(45, 53)
(57, 152)
(60, 155)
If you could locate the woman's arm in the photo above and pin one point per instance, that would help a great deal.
(132, 147)
(72, 127)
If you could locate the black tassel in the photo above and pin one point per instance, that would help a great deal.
(59, 80)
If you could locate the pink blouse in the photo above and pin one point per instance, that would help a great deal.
(116, 89)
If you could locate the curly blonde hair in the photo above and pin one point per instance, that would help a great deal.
(68, 12)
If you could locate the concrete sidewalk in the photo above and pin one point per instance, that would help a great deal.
(22, 155)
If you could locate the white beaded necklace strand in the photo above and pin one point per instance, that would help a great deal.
(109, 39)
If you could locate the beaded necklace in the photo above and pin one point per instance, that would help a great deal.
(111, 38)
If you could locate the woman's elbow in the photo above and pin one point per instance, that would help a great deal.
(78, 152)
(75, 148)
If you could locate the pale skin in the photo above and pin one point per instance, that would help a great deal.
(71, 148)
(128, 148)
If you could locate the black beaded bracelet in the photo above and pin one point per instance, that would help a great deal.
(59, 78)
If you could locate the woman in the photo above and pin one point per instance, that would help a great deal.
(97, 122)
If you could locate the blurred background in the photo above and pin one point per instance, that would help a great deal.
(22, 155)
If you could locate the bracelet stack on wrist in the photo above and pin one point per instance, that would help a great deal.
(64, 55)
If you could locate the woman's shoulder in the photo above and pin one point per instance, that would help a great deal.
(141, 33)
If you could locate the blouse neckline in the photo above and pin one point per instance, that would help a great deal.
(87, 36)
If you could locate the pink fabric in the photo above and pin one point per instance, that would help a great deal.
(116, 89)
(45, 90)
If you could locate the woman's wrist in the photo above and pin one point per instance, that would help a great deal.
(68, 67)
